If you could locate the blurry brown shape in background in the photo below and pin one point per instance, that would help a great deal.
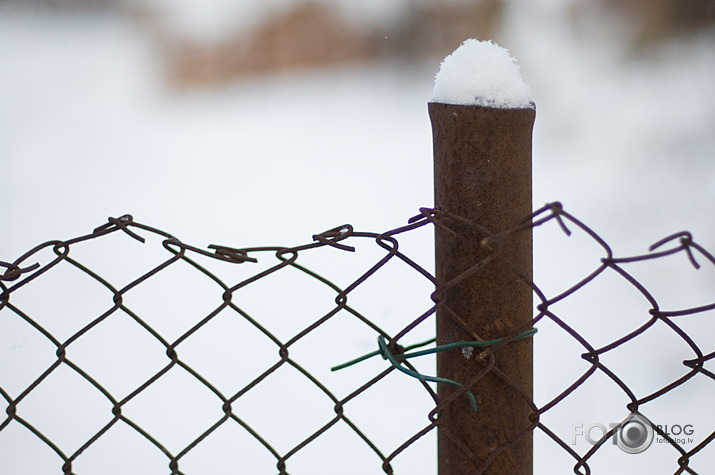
(307, 35)
(313, 34)
(655, 20)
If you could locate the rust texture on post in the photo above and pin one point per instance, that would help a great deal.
(482, 172)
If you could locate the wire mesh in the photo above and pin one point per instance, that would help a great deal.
(225, 392)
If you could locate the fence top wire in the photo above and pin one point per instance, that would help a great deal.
(24, 270)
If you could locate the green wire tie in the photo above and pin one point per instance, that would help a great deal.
(395, 359)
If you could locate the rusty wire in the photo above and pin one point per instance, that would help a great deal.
(23, 271)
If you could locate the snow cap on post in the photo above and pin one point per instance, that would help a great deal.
(481, 73)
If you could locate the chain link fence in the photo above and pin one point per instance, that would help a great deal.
(276, 339)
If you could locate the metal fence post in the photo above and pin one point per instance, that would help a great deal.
(482, 172)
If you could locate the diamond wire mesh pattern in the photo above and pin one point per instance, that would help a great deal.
(24, 271)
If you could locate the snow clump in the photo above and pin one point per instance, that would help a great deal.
(481, 73)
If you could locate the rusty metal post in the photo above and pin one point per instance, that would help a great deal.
(482, 172)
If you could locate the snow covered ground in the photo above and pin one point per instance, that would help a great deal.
(88, 131)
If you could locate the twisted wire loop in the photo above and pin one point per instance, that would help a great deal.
(26, 269)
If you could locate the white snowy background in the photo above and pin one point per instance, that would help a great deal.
(88, 130)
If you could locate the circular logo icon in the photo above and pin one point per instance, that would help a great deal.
(634, 434)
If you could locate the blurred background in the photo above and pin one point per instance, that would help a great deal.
(188, 104)
(251, 123)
